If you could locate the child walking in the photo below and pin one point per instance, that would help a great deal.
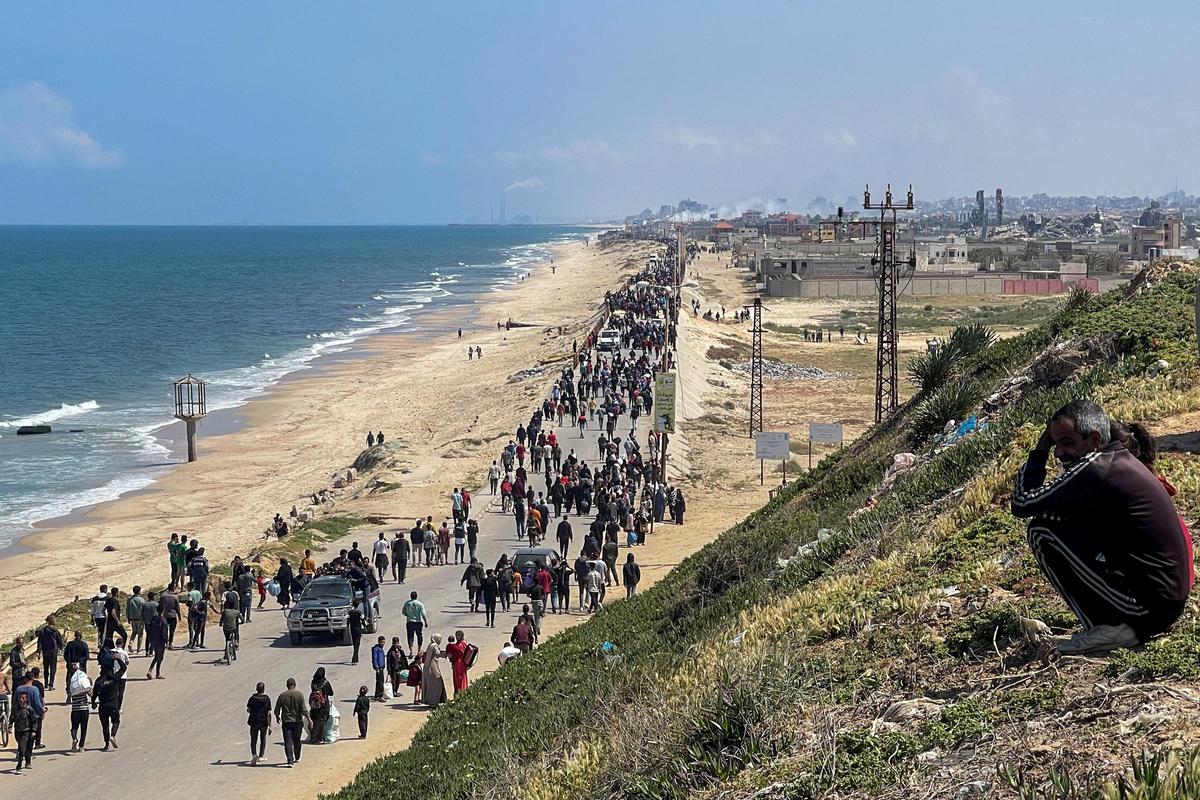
(362, 707)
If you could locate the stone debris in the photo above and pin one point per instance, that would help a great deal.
(779, 371)
(531, 372)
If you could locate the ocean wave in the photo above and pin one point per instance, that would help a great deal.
(52, 507)
(46, 417)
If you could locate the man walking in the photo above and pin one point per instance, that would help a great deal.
(134, 607)
(400, 551)
(76, 653)
(354, 622)
(380, 552)
(632, 574)
(415, 621)
(258, 710)
(98, 612)
(50, 644)
(290, 712)
(379, 664)
(1105, 533)
(397, 662)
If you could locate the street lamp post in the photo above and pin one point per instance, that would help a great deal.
(190, 406)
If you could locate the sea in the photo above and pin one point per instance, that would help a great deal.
(97, 322)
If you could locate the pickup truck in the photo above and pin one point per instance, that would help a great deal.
(324, 606)
(610, 339)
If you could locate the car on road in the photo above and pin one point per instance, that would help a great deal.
(610, 339)
(525, 561)
(324, 607)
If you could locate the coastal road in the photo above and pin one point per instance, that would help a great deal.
(186, 736)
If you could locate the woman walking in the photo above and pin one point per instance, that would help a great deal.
(284, 577)
(433, 684)
(319, 702)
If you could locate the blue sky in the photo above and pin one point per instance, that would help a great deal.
(295, 112)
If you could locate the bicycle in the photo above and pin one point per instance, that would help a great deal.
(231, 648)
(4, 722)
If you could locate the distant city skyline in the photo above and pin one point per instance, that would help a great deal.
(382, 113)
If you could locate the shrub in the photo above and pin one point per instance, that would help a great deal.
(967, 340)
(952, 401)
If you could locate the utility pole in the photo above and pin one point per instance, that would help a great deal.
(887, 384)
(756, 376)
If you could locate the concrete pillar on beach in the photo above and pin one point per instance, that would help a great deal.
(191, 404)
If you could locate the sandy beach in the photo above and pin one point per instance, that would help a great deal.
(419, 389)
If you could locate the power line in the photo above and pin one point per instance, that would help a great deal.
(887, 384)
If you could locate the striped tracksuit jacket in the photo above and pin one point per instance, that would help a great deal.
(1108, 537)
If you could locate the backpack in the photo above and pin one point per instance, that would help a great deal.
(470, 656)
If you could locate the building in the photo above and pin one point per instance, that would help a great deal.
(721, 233)
(947, 254)
(783, 225)
(1149, 241)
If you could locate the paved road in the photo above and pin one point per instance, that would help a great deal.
(186, 736)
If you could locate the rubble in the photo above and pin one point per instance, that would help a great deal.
(779, 371)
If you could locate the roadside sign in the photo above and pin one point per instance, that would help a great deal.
(664, 402)
(825, 432)
(772, 446)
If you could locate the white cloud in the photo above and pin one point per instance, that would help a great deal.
(432, 159)
(591, 153)
(683, 135)
(528, 183)
(37, 127)
(842, 139)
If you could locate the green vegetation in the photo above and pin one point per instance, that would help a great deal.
(753, 664)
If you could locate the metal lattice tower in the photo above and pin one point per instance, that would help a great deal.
(887, 384)
(756, 374)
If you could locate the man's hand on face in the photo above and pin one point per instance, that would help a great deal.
(1045, 442)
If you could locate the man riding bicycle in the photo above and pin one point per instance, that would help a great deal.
(230, 626)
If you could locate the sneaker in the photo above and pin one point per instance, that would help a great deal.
(1100, 639)
(254, 761)
(114, 743)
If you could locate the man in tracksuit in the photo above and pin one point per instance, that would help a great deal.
(1105, 533)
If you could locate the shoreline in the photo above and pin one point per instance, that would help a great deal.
(426, 326)
(297, 434)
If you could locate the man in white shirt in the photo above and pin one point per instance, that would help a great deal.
(380, 552)
(507, 653)
(121, 657)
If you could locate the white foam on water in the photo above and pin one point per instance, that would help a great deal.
(51, 507)
(232, 388)
(46, 417)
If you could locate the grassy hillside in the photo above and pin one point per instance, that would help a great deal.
(850, 640)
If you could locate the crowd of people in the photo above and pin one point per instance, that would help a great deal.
(622, 484)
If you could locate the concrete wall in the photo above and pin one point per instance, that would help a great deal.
(855, 287)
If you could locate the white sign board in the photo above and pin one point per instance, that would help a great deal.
(772, 446)
(825, 432)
